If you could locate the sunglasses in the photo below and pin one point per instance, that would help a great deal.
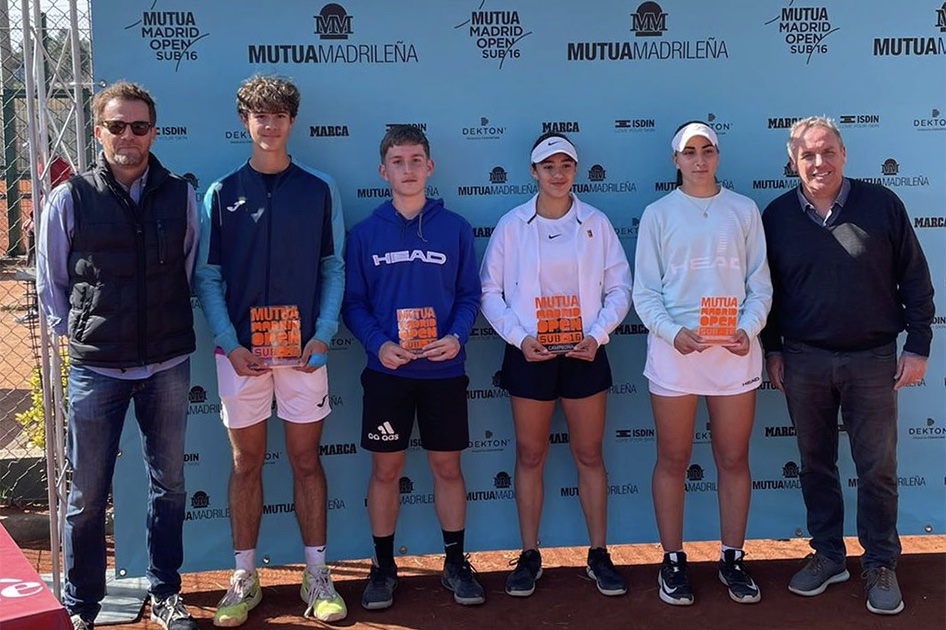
(117, 127)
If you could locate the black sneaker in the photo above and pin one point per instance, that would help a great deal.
(602, 571)
(169, 613)
(521, 582)
(458, 577)
(379, 594)
(673, 581)
(732, 573)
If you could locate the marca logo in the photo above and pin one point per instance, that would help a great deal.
(649, 20)
(392, 258)
(783, 123)
(561, 126)
(328, 131)
(929, 222)
(333, 22)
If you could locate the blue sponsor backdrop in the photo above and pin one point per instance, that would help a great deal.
(484, 78)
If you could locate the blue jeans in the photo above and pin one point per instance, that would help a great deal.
(817, 383)
(97, 407)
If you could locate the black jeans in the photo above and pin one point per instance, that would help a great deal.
(818, 383)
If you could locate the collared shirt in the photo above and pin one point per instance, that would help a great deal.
(57, 224)
(832, 217)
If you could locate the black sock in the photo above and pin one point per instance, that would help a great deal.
(384, 550)
(453, 545)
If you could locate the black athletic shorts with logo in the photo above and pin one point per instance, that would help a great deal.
(561, 377)
(391, 402)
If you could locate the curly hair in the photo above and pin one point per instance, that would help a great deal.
(267, 94)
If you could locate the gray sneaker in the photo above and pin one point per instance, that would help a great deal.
(379, 594)
(883, 592)
(459, 579)
(819, 571)
(78, 623)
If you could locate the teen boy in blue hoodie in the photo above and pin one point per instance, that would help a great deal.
(412, 294)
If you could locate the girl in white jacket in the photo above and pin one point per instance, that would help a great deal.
(702, 288)
(556, 282)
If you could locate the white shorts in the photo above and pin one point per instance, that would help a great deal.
(713, 372)
(247, 400)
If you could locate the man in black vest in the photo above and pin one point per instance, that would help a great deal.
(849, 275)
(114, 260)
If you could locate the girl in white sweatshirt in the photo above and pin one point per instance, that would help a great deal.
(702, 288)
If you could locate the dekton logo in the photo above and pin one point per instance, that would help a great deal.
(626, 232)
(171, 35)
(496, 33)
(717, 125)
(935, 122)
(927, 431)
(805, 29)
(333, 22)
(484, 131)
(488, 443)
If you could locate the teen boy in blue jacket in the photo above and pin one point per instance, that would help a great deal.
(270, 259)
(412, 294)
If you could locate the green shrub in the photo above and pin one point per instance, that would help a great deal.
(33, 419)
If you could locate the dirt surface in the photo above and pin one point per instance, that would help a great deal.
(566, 598)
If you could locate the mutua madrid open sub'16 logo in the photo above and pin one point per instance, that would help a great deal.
(805, 29)
(496, 33)
(171, 35)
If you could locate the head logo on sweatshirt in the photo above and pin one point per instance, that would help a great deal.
(405, 256)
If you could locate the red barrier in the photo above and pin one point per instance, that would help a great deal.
(25, 602)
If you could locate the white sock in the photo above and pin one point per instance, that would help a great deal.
(314, 557)
(723, 548)
(245, 559)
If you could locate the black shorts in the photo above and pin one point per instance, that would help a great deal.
(390, 404)
(561, 377)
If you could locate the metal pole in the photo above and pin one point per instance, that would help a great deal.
(78, 88)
